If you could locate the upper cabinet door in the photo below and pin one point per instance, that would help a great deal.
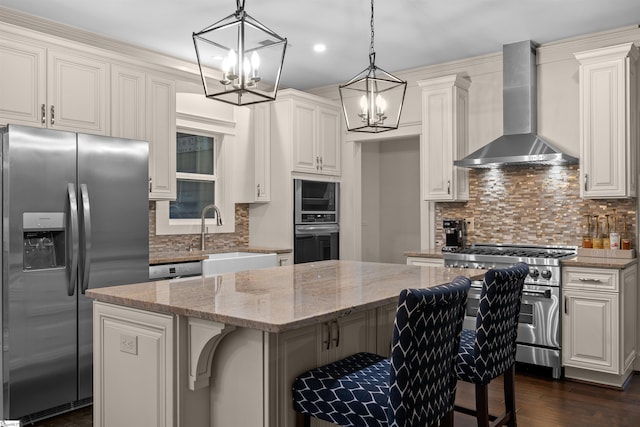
(305, 158)
(77, 93)
(161, 134)
(608, 122)
(22, 83)
(329, 140)
(445, 106)
(316, 135)
(128, 102)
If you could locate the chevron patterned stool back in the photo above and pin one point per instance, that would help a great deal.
(490, 350)
(415, 387)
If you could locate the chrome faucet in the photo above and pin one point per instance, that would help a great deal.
(202, 229)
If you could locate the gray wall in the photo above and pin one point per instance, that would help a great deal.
(390, 199)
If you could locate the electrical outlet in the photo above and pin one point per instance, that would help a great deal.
(129, 344)
(469, 223)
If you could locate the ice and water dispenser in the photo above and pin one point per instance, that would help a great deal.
(43, 243)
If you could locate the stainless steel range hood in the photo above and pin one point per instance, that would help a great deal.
(520, 145)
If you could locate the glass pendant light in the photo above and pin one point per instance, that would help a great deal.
(240, 59)
(372, 100)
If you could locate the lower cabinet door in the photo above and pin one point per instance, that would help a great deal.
(590, 338)
(133, 367)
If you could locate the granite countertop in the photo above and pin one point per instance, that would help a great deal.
(186, 256)
(583, 261)
(281, 298)
(425, 253)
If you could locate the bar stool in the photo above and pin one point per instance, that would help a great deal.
(490, 350)
(415, 387)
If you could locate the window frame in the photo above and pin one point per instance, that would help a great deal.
(198, 125)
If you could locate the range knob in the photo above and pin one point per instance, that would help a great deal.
(546, 274)
(534, 273)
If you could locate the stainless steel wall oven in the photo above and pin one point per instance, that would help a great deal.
(316, 228)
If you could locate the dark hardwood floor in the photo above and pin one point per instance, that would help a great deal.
(541, 402)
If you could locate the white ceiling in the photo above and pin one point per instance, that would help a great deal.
(408, 33)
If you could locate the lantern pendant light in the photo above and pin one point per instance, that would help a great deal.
(372, 100)
(240, 60)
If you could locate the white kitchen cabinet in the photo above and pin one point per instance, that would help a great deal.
(134, 359)
(54, 88)
(128, 102)
(345, 336)
(310, 125)
(599, 324)
(385, 318)
(258, 167)
(23, 83)
(306, 348)
(161, 134)
(425, 262)
(77, 92)
(298, 351)
(143, 106)
(608, 122)
(445, 134)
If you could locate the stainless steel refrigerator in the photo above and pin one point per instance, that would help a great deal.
(74, 216)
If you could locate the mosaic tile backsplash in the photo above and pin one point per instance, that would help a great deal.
(182, 242)
(530, 205)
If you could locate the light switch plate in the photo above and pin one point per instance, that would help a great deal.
(470, 225)
(129, 344)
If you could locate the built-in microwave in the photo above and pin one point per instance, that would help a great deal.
(316, 202)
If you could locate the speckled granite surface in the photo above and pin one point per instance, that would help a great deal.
(582, 261)
(425, 253)
(185, 256)
(281, 298)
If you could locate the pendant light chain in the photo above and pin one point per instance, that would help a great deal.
(372, 100)
(372, 52)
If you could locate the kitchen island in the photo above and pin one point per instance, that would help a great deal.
(224, 350)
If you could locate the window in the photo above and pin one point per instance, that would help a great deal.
(200, 172)
(195, 174)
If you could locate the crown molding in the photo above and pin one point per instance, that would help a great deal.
(22, 24)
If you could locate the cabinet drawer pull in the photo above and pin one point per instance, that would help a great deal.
(43, 114)
(586, 279)
(586, 180)
(150, 185)
(337, 338)
(53, 116)
(258, 190)
(449, 187)
(565, 305)
(320, 163)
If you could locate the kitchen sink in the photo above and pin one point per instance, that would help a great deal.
(232, 262)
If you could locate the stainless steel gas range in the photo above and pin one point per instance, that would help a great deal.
(539, 322)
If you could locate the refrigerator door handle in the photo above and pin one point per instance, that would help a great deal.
(86, 244)
(72, 249)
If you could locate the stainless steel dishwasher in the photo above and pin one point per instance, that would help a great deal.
(175, 270)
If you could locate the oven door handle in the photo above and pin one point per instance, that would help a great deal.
(544, 294)
(476, 284)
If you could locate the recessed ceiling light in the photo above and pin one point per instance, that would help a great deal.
(319, 47)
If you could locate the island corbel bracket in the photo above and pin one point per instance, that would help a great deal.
(204, 337)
